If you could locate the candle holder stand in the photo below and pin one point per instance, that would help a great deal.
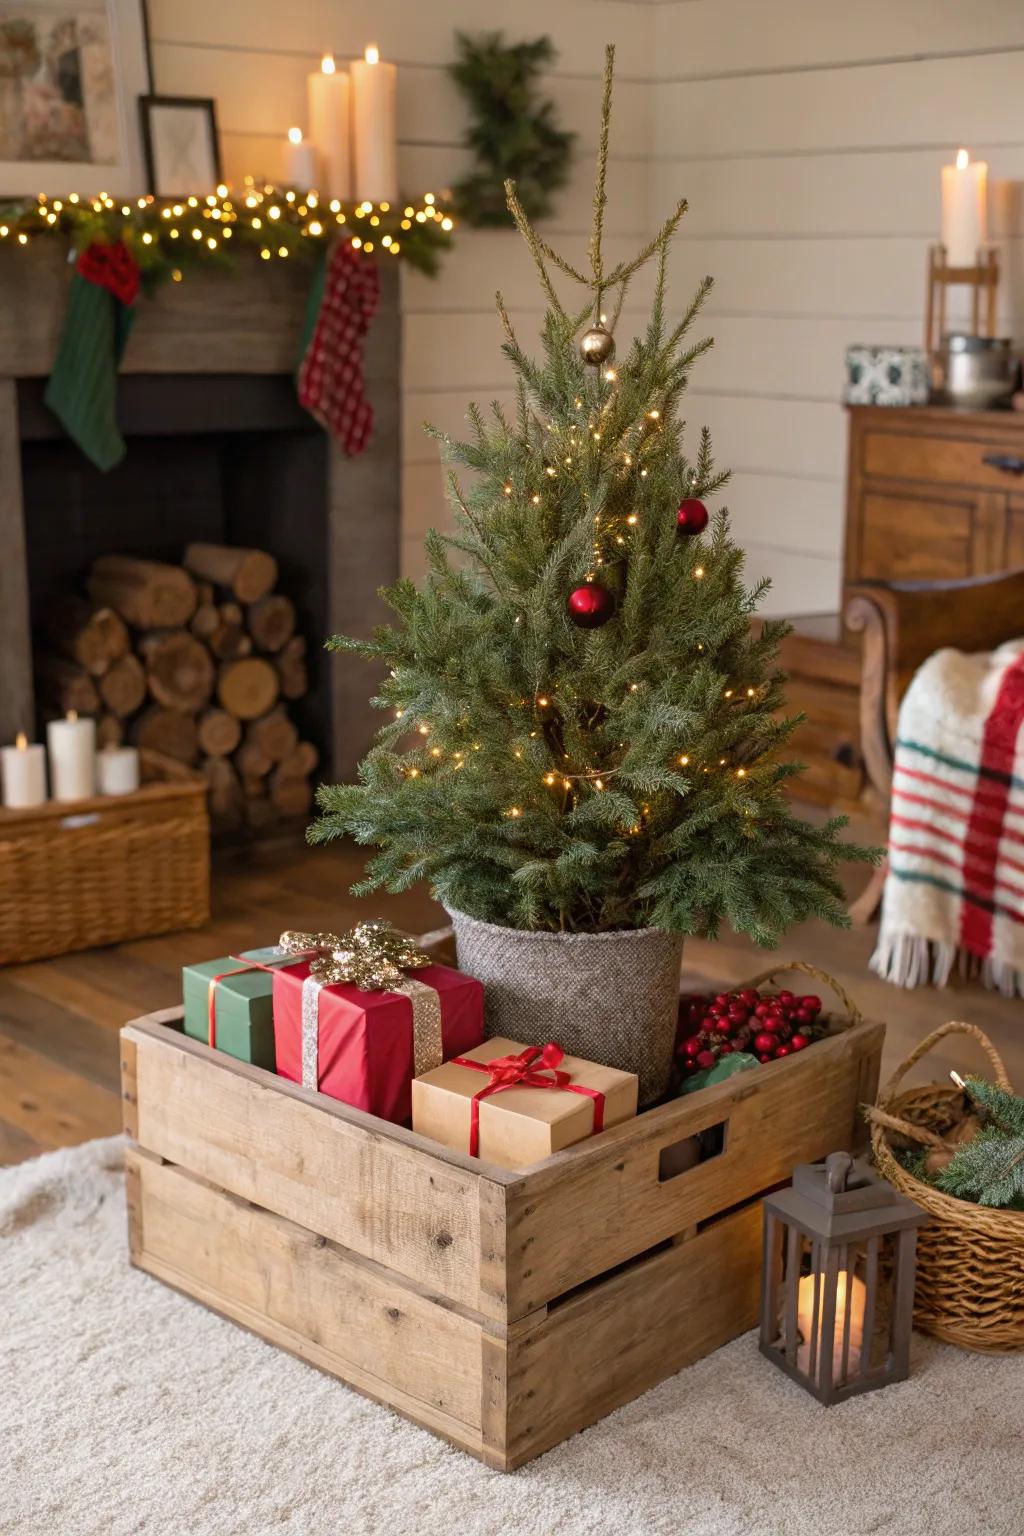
(982, 279)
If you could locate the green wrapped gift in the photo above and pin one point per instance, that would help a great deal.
(243, 1020)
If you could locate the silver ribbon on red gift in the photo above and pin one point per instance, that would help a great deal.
(374, 958)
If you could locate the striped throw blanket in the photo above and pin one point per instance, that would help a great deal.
(954, 889)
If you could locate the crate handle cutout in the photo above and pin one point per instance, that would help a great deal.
(685, 1155)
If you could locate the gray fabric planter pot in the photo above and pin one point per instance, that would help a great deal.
(609, 997)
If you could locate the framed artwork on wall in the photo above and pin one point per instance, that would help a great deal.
(70, 73)
(179, 134)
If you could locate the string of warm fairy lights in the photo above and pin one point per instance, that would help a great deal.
(566, 451)
(279, 222)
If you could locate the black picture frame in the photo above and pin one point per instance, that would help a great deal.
(158, 179)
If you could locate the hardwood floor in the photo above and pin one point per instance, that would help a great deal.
(59, 1019)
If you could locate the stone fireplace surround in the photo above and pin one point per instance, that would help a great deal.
(210, 360)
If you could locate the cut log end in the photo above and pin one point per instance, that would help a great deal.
(247, 688)
(248, 574)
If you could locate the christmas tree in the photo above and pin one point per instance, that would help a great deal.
(584, 728)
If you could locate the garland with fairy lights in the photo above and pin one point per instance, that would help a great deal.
(167, 236)
(122, 247)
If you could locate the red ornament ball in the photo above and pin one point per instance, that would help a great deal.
(800, 1042)
(590, 606)
(692, 517)
(764, 1042)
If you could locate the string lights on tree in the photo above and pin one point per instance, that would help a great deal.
(610, 723)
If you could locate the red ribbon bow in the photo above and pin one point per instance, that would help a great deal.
(112, 267)
(535, 1067)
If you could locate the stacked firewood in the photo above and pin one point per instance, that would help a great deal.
(196, 665)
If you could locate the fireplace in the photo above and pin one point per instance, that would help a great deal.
(219, 451)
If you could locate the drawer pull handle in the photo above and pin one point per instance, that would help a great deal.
(1009, 463)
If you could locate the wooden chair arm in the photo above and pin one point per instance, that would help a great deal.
(903, 623)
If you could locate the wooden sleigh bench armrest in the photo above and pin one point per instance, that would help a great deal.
(903, 623)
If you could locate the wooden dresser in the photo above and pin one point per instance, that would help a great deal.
(933, 493)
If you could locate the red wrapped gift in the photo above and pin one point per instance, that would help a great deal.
(364, 1044)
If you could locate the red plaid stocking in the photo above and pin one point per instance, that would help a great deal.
(331, 373)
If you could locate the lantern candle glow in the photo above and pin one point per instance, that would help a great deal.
(837, 1298)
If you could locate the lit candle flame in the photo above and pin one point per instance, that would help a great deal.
(327, 64)
(72, 714)
(295, 135)
(372, 53)
(962, 159)
(21, 741)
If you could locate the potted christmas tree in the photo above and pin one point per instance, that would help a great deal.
(583, 751)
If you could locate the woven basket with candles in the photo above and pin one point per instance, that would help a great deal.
(970, 1259)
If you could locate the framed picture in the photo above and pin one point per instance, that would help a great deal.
(70, 74)
(180, 138)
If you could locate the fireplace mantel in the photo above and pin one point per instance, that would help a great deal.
(246, 322)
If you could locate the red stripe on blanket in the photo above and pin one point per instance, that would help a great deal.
(983, 789)
(967, 863)
(912, 824)
(996, 827)
(998, 745)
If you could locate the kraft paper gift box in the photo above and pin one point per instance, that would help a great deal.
(241, 1023)
(362, 1047)
(522, 1122)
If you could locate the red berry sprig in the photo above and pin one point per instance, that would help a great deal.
(769, 1026)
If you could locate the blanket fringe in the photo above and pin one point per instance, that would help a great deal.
(907, 960)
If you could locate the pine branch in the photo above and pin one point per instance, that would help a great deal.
(600, 181)
(528, 233)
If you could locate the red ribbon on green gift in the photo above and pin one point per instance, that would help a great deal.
(240, 970)
(535, 1067)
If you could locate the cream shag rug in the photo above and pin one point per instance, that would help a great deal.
(126, 1410)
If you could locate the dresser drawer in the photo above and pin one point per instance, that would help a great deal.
(945, 460)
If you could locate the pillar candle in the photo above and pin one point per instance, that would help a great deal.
(964, 209)
(373, 128)
(328, 91)
(71, 744)
(117, 770)
(299, 162)
(23, 772)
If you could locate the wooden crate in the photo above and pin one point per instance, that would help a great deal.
(504, 1311)
(82, 873)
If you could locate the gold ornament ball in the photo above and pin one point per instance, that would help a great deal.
(596, 346)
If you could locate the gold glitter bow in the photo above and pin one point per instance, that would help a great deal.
(371, 956)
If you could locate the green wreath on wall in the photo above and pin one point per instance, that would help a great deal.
(513, 132)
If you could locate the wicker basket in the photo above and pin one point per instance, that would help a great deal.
(970, 1258)
(853, 1013)
(89, 872)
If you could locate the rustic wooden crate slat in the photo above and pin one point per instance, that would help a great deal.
(296, 1280)
(375, 1188)
(593, 1206)
(504, 1311)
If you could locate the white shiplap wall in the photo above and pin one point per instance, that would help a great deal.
(253, 57)
(807, 136)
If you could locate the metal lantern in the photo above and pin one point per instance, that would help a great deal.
(837, 1298)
